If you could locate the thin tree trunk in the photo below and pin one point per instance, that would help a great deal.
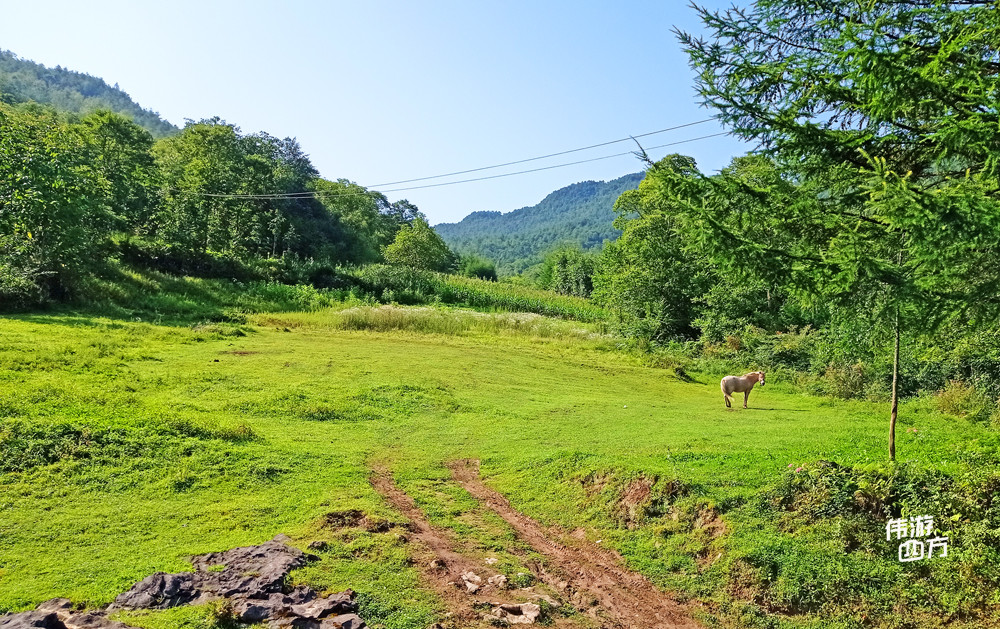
(895, 392)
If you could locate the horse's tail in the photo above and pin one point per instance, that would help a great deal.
(725, 394)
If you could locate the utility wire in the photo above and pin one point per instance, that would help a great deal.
(338, 193)
(533, 159)
(533, 170)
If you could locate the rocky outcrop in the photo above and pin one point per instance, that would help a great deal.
(251, 578)
(59, 613)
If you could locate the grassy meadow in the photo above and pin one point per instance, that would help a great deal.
(128, 446)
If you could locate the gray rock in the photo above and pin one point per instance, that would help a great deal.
(91, 620)
(58, 613)
(159, 591)
(323, 607)
(56, 605)
(344, 621)
(252, 578)
(30, 620)
(249, 570)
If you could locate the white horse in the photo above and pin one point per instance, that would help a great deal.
(743, 384)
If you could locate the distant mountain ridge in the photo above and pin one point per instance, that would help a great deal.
(24, 81)
(581, 213)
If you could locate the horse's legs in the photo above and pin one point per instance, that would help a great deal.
(726, 398)
(746, 395)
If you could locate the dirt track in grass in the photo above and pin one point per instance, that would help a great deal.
(625, 598)
(590, 578)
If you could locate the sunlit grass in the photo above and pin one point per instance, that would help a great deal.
(131, 446)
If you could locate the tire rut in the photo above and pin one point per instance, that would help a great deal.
(626, 598)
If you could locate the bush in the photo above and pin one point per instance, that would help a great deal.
(475, 266)
(963, 400)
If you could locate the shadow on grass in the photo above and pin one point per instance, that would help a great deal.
(131, 295)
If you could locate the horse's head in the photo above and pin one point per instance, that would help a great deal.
(760, 377)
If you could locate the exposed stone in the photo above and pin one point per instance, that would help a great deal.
(491, 560)
(58, 613)
(30, 620)
(252, 610)
(472, 581)
(343, 621)
(91, 620)
(518, 613)
(322, 607)
(55, 605)
(498, 580)
(159, 591)
(249, 569)
(251, 578)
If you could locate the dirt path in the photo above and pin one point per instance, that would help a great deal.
(626, 598)
(442, 567)
(589, 578)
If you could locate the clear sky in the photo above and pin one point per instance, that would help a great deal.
(379, 91)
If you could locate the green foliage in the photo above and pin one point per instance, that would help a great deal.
(846, 509)
(646, 279)
(75, 195)
(417, 246)
(475, 266)
(877, 115)
(52, 207)
(404, 285)
(580, 214)
(24, 81)
(369, 221)
(206, 172)
(963, 400)
(568, 270)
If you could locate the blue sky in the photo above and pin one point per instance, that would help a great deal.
(385, 91)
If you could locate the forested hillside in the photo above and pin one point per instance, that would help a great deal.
(24, 81)
(580, 214)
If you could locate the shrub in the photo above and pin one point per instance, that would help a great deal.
(844, 381)
(475, 266)
(963, 400)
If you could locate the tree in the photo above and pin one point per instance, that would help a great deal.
(51, 206)
(646, 278)
(367, 218)
(418, 246)
(472, 265)
(883, 121)
(123, 160)
(569, 270)
(241, 194)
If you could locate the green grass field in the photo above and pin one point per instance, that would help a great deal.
(128, 446)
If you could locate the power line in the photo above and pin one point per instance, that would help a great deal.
(533, 170)
(533, 159)
(337, 193)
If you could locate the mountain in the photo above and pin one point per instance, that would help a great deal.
(581, 213)
(24, 81)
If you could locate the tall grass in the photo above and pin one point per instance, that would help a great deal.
(393, 284)
(431, 320)
(122, 291)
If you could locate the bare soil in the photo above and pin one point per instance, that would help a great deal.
(625, 599)
(589, 578)
(440, 566)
